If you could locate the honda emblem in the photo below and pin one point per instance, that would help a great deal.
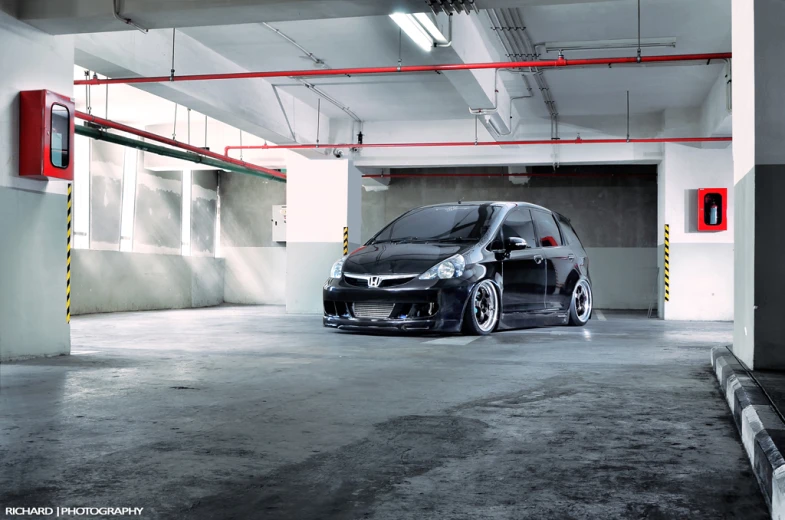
(374, 281)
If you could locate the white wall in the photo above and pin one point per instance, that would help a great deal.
(255, 275)
(701, 263)
(32, 213)
(111, 281)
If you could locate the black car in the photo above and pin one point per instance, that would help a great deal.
(466, 266)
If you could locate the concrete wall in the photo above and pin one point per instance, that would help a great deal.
(255, 265)
(701, 263)
(32, 213)
(155, 275)
(111, 281)
(615, 216)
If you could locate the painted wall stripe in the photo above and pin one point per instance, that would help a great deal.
(68, 258)
(345, 241)
(667, 277)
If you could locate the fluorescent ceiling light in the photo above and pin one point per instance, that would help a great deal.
(426, 22)
(630, 43)
(414, 30)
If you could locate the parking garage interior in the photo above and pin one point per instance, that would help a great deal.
(178, 180)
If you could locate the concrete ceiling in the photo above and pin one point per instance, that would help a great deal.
(697, 26)
(82, 16)
(345, 42)
(373, 40)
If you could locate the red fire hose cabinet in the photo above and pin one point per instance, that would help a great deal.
(46, 135)
(712, 209)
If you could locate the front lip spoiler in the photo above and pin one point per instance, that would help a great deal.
(403, 325)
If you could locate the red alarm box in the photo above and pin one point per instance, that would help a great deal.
(46, 135)
(712, 209)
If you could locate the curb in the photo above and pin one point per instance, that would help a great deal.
(762, 431)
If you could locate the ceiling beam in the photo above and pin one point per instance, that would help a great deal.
(87, 16)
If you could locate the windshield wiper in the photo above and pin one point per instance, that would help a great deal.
(455, 239)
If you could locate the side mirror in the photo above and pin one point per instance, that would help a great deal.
(515, 243)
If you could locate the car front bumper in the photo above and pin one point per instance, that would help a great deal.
(447, 297)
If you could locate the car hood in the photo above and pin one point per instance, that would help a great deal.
(389, 258)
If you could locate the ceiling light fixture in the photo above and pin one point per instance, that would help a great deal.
(425, 21)
(631, 43)
(411, 26)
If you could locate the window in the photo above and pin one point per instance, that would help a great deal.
(547, 229)
(570, 236)
(59, 147)
(519, 224)
(440, 223)
(186, 220)
(129, 200)
(82, 192)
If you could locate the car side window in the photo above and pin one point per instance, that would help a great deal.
(519, 224)
(570, 236)
(547, 229)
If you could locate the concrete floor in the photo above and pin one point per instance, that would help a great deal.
(243, 413)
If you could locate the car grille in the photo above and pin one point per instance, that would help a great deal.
(375, 310)
(385, 282)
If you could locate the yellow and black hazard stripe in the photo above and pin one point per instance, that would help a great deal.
(345, 241)
(667, 276)
(68, 260)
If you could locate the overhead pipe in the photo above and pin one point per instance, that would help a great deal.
(100, 134)
(552, 174)
(482, 143)
(176, 144)
(358, 71)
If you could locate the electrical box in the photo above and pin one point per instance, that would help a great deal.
(279, 223)
(712, 209)
(46, 135)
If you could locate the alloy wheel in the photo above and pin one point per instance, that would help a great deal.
(486, 306)
(582, 300)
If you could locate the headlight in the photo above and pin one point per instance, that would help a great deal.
(453, 267)
(337, 269)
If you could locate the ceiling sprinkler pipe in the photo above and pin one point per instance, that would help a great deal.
(358, 71)
(175, 144)
(484, 143)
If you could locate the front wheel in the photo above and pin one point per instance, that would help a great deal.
(482, 310)
(581, 304)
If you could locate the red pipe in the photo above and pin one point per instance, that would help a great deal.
(426, 175)
(562, 62)
(483, 143)
(176, 144)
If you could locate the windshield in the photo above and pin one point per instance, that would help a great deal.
(454, 223)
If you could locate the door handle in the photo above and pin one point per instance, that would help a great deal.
(571, 257)
(538, 259)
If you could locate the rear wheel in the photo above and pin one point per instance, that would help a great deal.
(581, 304)
(482, 311)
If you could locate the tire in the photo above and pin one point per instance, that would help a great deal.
(581, 303)
(482, 309)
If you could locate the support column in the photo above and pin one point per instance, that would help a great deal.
(33, 214)
(759, 176)
(322, 197)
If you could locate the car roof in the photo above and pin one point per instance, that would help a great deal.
(508, 204)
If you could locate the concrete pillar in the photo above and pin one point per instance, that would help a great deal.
(322, 197)
(701, 263)
(32, 213)
(759, 176)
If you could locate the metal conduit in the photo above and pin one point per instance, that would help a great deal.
(482, 143)
(358, 71)
(176, 144)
